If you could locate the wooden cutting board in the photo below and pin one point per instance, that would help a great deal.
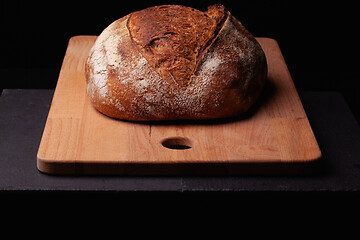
(77, 139)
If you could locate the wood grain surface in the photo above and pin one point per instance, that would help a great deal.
(77, 139)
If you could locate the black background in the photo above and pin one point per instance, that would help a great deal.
(318, 38)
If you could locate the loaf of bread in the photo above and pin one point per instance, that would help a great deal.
(175, 62)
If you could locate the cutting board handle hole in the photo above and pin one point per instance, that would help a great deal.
(177, 143)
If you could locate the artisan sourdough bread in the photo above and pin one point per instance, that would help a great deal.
(175, 62)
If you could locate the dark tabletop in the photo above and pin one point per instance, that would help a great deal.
(23, 116)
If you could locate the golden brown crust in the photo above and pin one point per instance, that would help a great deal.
(174, 62)
(171, 42)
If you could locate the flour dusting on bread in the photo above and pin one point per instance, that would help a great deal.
(121, 82)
